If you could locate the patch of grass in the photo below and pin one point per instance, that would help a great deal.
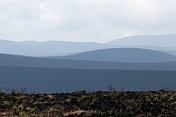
(86, 104)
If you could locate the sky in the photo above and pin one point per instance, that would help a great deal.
(85, 20)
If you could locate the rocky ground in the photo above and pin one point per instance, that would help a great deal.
(87, 104)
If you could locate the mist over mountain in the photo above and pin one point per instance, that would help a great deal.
(133, 55)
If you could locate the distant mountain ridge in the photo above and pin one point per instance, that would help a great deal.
(168, 40)
(130, 55)
(48, 48)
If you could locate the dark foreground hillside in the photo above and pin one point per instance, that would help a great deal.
(85, 104)
(68, 80)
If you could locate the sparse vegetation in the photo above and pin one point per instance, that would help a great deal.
(82, 103)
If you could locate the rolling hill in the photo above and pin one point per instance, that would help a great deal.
(24, 61)
(131, 55)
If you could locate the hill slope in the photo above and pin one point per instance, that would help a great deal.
(123, 55)
(68, 80)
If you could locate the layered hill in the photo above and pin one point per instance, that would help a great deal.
(24, 61)
(131, 55)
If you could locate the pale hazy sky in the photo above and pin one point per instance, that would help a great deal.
(84, 20)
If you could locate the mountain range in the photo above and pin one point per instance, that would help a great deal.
(141, 62)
